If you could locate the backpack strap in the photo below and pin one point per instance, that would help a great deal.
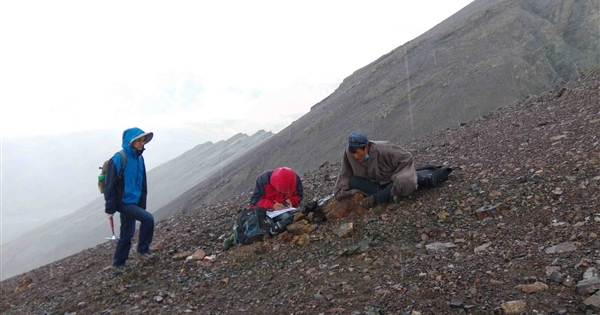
(122, 164)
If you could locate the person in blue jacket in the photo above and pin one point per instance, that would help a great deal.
(125, 191)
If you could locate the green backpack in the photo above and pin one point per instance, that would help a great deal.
(103, 171)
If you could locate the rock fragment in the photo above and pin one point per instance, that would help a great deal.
(557, 277)
(593, 302)
(439, 246)
(487, 211)
(588, 286)
(345, 229)
(514, 307)
(561, 248)
(534, 287)
(456, 303)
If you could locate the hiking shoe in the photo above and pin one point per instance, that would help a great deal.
(367, 202)
(117, 270)
(396, 199)
(146, 256)
(228, 242)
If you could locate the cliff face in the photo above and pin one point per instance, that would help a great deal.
(488, 55)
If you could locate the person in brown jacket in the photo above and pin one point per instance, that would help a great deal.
(379, 169)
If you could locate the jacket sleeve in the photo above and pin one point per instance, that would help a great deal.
(110, 186)
(142, 203)
(265, 203)
(297, 197)
(343, 179)
(404, 176)
(259, 192)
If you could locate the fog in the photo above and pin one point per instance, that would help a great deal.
(47, 177)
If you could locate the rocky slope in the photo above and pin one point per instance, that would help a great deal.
(513, 230)
(488, 55)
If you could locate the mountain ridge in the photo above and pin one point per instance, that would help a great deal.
(445, 77)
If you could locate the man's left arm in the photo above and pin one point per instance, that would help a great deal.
(342, 182)
(404, 174)
(142, 203)
(397, 159)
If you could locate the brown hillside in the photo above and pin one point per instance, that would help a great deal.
(535, 165)
(488, 55)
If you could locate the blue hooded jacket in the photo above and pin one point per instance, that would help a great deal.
(131, 188)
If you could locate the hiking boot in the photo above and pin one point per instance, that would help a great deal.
(228, 242)
(146, 256)
(117, 270)
(367, 202)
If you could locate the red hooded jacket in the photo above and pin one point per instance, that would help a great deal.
(276, 186)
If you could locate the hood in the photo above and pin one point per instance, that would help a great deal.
(283, 179)
(131, 134)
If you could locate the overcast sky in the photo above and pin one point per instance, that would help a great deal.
(75, 74)
(237, 66)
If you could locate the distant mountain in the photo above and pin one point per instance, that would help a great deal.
(173, 178)
(488, 55)
(49, 176)
(88, 226)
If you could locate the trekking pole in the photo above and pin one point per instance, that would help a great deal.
(112, 227)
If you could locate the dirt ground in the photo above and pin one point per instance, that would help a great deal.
(513, 230)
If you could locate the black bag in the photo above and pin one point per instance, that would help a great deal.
(252, 225)
(432, 175)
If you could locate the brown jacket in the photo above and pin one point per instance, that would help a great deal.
(387, 162)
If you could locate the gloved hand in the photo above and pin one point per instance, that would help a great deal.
(109, 215)
(110, 208)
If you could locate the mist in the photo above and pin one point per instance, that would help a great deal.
(47, 177)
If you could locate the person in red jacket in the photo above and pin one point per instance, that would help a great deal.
(277, 189)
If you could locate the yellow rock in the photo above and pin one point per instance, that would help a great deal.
(304, 239)
(535, 287)
(513, 307)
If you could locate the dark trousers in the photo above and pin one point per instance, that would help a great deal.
(130, 213)
(380, 193)
(282, 217)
